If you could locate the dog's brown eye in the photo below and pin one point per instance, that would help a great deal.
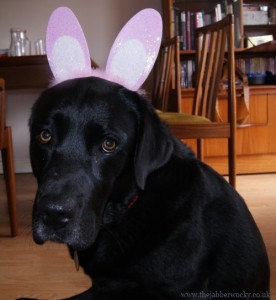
(109, 145)
(44, 137)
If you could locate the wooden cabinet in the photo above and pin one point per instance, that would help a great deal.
(256, 138)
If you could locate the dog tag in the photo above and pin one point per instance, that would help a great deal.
(76, 260)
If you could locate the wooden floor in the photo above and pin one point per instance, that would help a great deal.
(47, 272)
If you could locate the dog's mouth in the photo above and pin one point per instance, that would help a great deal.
(69, 232)
(41, 234)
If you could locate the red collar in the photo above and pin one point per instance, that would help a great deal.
(133, 200)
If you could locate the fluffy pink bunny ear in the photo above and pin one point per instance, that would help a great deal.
(135, 49)
(66, 47)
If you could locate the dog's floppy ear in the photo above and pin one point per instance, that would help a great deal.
(66, 46)
(153, 149)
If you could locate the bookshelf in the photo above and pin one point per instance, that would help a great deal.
(248, 22)
(262, 26)
(207, 10)
(182, 17)
(256, 147)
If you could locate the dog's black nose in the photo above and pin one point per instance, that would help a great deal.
(55, 216)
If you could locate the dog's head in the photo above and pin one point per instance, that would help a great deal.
(93, 145)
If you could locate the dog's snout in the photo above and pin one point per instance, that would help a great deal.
(55, 215)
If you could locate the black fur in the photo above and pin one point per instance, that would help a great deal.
(187, 232)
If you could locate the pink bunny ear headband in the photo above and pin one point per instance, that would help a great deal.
(131, 57)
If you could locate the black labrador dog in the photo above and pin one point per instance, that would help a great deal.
(147, 219)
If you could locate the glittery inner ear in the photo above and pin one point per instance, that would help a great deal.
(135, 49)
(66, 47)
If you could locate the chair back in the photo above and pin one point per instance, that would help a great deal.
(166, 90)
(2, 111)
(214, 43)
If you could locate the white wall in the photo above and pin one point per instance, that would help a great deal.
(101, 21)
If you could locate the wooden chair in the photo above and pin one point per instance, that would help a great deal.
(166, 84)
(214, 42)
(7, 160)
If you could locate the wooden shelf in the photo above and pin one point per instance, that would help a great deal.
(27, 72)
(257, 1)
(267, 49)
(255, 30)
(194, 5)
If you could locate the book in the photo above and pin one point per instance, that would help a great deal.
(188, 22)
(192, 30)
(199, 22)
(188, 29)
(257, 65)
(183, 32)
(187, 69)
